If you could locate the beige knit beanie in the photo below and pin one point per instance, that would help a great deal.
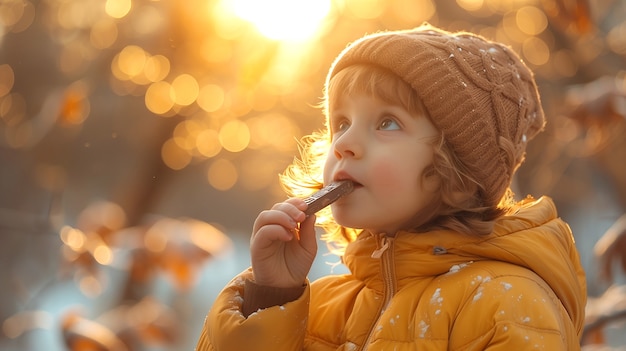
(478, 93)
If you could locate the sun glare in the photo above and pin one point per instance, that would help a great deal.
(288, 20)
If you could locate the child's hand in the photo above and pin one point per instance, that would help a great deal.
(282, 251)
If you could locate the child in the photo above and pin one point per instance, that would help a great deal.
(430, 127)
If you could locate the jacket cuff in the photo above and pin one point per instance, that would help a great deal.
(256, 297)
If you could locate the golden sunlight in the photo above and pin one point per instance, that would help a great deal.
(288, 20)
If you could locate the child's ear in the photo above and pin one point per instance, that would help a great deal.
(459, 197)
(463, 199)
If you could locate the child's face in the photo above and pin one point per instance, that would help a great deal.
(384, 149)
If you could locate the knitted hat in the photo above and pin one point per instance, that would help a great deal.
(478, 93)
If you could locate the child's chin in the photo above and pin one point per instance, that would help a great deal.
(346, 221)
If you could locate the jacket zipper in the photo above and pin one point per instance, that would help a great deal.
(385, 254)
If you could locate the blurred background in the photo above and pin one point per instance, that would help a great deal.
(139, 139)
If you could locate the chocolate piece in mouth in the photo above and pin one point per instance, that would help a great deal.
(327, 195)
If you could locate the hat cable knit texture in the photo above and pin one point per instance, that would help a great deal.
(477, 92)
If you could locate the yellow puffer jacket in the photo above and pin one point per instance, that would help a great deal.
(521, 288)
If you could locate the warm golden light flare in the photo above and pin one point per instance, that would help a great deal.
(222, 174)
(16, 16)
(173, 156)
(531, 20)
(409, 12)
(73, 238)
(157, 67)
(158, 98)
(259, 173)
(208, 143)
(211, 97)
(470, 5)
(103, 254)
(103, 33)
(289, 20)
(131, 60)
(216, 50)
(273, 129)
(234, 136)
(7, 79)
(11, 12)
(366, 9)
(184, 90)
(536, 51)
(118, 8)
(186, 133)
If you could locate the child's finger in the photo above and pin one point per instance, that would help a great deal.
(307, 238)
(286, 213)
(268, 234)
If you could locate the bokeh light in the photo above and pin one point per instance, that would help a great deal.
(159, 97)
(16, 15)
(184, 90)
(222, 174)
(531, 20)
(536, 51)
(118, 8)
(471, 5)
(273, 129)
(103, 34)
(208, 143)
(234, 135)
(211, 97)
(174, 156)
(365, 9)
(7, 78)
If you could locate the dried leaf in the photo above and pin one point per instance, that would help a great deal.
(181, 246)
(81, 334)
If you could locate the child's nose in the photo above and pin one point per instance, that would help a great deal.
(349, 144)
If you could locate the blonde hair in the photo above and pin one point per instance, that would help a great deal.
(457, 205)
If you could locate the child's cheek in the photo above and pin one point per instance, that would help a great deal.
(386, 175)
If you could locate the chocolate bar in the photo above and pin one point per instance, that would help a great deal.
(327, 195)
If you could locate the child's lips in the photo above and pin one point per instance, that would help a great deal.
(343, 175)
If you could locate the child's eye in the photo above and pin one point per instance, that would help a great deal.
(389, 124)
(341, 126)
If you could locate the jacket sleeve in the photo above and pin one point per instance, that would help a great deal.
(277, 328)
